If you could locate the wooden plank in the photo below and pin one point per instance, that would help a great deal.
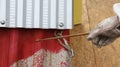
(98, 10)
(93, 11)
(84, 55)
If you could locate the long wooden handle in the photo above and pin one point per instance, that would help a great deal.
(65, 36)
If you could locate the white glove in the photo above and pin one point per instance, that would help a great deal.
(105, 32)
(108, 30)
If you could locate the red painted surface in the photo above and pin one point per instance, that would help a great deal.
(16, 44)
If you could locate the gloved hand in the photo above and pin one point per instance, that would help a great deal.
(105, 32)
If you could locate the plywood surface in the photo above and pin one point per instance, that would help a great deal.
(88, 55)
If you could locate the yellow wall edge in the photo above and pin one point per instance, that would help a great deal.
(77, 12)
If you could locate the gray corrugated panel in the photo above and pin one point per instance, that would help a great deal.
(46, 14)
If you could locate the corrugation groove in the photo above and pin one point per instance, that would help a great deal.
(46, 14)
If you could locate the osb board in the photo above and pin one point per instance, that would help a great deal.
(86, 54)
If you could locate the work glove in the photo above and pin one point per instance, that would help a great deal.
(107, 30)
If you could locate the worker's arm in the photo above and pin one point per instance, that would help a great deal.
(105, 32)
(108, 30)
